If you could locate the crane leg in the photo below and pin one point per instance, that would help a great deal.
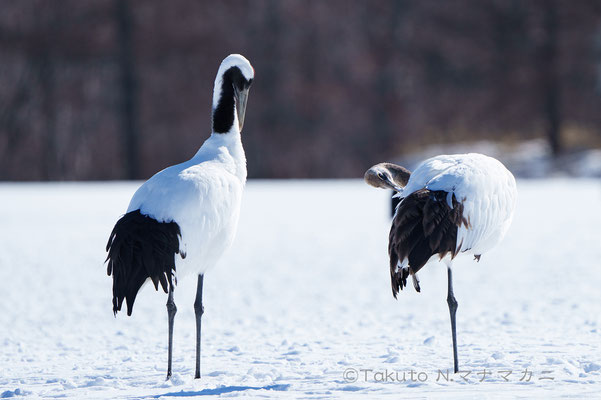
(452, 302)
(171, 310)
(198, 310)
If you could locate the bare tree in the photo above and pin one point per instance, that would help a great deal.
(549, 75)
(129, 109)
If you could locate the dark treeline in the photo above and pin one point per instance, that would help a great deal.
(120, 89)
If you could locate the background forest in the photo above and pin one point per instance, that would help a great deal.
(98, 89)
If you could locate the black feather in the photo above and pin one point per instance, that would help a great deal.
(139, 248)
(423, 225)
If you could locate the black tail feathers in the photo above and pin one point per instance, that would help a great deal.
(139, 248)
(424, 225)
(398, 279)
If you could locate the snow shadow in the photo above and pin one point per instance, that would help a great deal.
(221, 390)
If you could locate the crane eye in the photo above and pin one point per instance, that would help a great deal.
(381, 176)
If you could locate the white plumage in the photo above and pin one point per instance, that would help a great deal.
(182, 219)
(203, 197)
(482, 184)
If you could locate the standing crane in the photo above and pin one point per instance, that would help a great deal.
(186, 216)
(450, 205)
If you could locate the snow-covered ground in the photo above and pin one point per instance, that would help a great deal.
(302, 306)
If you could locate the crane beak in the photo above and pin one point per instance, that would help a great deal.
(241, 96)
(391, 184)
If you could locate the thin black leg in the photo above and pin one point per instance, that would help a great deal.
(198, 310)
(452, 302)
(171, 310)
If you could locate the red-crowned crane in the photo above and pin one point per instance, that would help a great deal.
(450, 205)
(185, 217)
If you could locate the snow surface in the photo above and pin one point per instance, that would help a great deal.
(303, 296)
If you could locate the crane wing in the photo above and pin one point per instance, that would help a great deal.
(487, 191)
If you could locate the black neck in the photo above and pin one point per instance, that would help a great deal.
(223, 115)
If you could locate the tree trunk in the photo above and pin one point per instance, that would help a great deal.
(129, 106)
(550, 79)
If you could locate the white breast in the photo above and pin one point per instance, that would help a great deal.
(203, 196)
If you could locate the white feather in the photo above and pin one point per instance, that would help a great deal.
(202, 195)
(482, 184)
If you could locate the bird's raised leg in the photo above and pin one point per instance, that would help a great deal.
(198, 310)
(171, 310)
(452, 302)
